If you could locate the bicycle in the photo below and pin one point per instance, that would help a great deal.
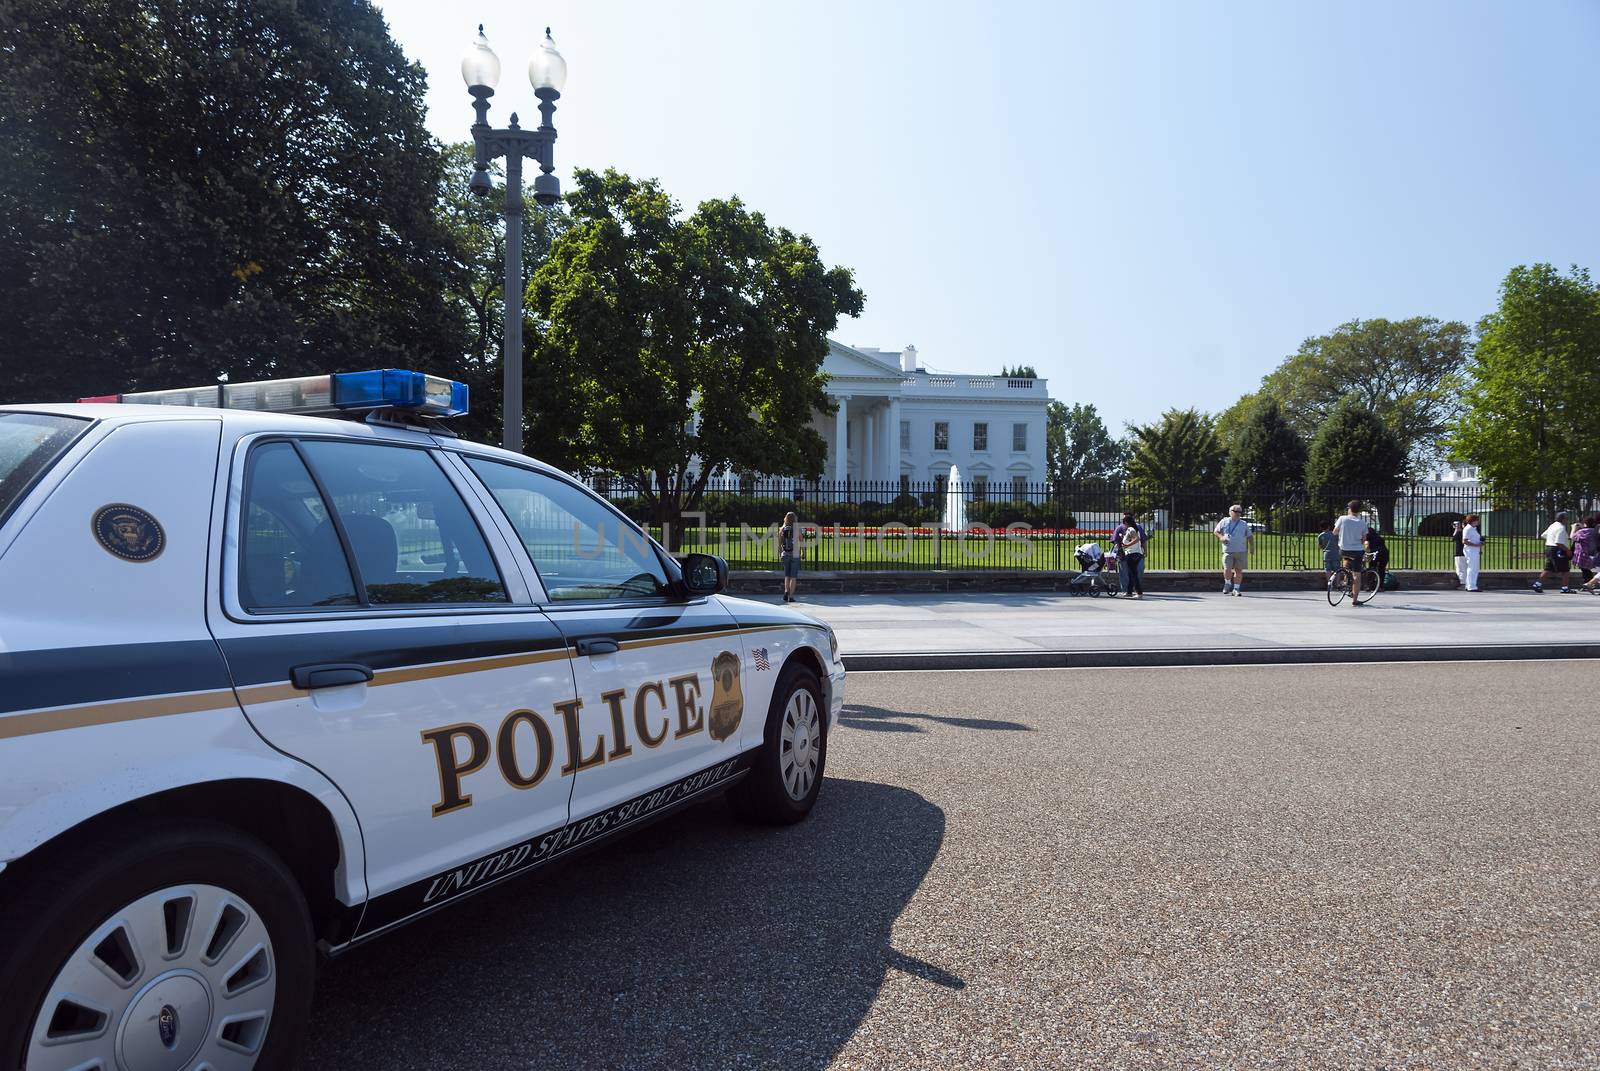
(1342, 581)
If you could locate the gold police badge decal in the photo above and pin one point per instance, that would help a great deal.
(129, 532)
(727, 698)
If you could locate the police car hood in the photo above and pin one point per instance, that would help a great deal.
(749, 612)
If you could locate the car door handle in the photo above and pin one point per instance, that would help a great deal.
(329, 675)
(599, 645)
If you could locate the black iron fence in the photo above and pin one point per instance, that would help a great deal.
(984, 524)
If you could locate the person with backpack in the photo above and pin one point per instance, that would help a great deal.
(791, 548)
(1129, 539)
(1380, 554)
(1557, 555)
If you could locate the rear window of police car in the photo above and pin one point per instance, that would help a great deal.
(29, 444)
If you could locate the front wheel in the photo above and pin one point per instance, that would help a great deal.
(1370, 583)
(186, 947)
(786, 776)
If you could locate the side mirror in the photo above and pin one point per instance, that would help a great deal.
(704, 574)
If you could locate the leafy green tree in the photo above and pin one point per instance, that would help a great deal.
(670, 347)
(477, 278)
(197, 187)
(1409, 372)
(1232, 419)
(1267, 456)
(1176, 462)
(1021, 371)
(1529, 413)
(1078, 447)
(1355, 455)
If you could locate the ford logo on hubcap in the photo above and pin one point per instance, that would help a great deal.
(167, 1024)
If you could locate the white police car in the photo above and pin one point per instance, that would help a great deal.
(271, 682)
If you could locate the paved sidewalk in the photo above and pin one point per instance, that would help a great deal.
(1189, 621)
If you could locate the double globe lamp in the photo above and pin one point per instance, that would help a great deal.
(547, 71)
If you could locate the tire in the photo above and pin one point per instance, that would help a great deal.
(98, 920)
(1371, 583)
(766, 794)
(1338, 587)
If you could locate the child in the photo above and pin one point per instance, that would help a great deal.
(1329, 542)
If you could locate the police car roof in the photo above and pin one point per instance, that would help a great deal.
(247, 421)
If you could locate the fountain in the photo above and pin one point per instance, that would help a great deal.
(955, 504)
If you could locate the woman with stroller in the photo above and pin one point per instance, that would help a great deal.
(1129, 539)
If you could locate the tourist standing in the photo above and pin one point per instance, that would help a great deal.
(1472, 545)
(1130, 540)
(791, 548)
(1352, 531)
(1557, 555)
(1586, 550)
(1328, 542)
(1461, 555)
(1233, 532)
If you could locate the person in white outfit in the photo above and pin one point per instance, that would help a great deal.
(1472, 544)
(1461, 555)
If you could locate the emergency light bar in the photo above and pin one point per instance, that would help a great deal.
(385, 388)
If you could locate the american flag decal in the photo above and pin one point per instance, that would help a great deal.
(760, 655)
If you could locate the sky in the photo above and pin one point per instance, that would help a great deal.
(1152, 203)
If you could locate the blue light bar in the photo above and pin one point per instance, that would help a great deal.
(343, 392)
(396, 388)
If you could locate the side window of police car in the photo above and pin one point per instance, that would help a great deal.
(584, 550)
(412, 538)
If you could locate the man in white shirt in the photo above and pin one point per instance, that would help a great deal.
(1233, 532)
(1472, 546)
(1351, 530)
(1557, 555)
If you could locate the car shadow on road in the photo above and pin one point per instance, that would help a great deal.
(702, 942)
(880, 720)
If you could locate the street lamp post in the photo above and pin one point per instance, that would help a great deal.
(480, 69)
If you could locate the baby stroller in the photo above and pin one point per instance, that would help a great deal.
(1099, 573)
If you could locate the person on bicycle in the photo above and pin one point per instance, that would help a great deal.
(1352, 530)
(1379, 551)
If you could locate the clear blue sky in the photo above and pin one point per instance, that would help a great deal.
(1152, 203)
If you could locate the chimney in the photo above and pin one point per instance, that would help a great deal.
(908, 358)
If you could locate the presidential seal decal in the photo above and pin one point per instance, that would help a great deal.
(727, 699)
(129, 532)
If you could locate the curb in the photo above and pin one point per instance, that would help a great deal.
(1225, 656)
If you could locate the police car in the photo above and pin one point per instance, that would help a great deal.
(275, 683)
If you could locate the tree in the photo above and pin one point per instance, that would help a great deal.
(1176, 462)
(1409, 372)
(1232, 419)
(669, 348)
(197, 187)
(1021, 371)
(477, 278)
(1077, 445)
(1355, 455)
(1266, 458)
(1529, 413)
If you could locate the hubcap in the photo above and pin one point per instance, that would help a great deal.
(180, 978)
(801, 747)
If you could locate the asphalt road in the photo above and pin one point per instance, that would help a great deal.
(1388, 866)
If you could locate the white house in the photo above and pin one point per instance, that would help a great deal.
(899, 424)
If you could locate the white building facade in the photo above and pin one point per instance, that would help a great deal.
(899, 425)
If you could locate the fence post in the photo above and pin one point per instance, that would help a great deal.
(1172, 527)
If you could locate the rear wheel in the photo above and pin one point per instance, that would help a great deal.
(188, 947)
(1370, 583)
(783, 783)
(1338, 587)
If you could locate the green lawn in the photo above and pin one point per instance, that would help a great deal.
(1184, 550)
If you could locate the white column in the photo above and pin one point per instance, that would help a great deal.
(840, 438)
(868, 425)
(891, 442)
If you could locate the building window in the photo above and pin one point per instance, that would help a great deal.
(980, 437)
(941, 435)
(980, 488)
(905, 483)
(1019, 487)
(1019, 438)
(905, 435)
(602, 484)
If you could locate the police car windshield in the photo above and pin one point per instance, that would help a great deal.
(29, 444)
